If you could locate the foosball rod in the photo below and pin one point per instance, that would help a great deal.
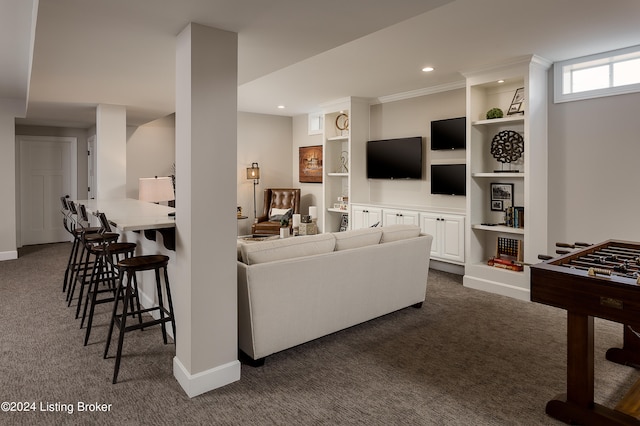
(596, 271)
(611, 260)
(613, 268)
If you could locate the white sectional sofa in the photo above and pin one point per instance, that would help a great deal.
(294, 290)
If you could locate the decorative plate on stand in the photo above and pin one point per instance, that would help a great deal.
(506, 147)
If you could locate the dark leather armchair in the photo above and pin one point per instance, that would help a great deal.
(276, 198)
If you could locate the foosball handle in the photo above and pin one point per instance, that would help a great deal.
(544, 257)
(579, 244)
(565, 245)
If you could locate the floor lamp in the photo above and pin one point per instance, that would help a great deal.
(253, 172)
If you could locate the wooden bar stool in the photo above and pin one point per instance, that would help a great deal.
(125, 292)
(105, 271)
(87, 258)
(76, 227)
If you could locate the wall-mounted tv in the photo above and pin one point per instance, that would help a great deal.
(395, 158)
(449, 179)
(449, 134)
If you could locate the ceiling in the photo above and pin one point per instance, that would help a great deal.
(295, 53)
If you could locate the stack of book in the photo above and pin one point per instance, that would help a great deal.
(509, 264)
(514, 217)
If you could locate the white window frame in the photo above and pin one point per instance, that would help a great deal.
(316, 123)
(611, 57)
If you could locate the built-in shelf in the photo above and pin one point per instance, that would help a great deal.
(499, 228)
(344, 153)
(494, 175)
(497, 121)
(331, 209)
(528, 184)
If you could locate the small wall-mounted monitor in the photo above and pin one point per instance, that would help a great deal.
(449, 179)
(449, 134)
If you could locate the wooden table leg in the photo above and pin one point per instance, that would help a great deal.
(577, 405)
(580, 376)
(629, 354)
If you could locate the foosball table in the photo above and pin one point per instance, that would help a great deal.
(600, 280)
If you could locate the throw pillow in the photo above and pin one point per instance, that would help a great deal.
(277, 214)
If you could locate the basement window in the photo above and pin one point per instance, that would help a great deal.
(605, 74)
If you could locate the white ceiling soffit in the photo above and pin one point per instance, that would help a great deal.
(17, 30)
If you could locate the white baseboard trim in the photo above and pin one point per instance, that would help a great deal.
(497, 288)
(8, 255)
(205, 381)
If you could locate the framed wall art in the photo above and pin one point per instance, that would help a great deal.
(501, 196)
(517, 103)
(310, 164)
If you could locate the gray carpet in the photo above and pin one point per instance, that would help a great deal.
(466, 358)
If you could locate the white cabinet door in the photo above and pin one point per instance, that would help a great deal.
(364, 216)
(395, 217)
(452, 241)
(448, 235)
(430, 224)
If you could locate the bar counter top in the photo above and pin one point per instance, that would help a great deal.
(128, 214)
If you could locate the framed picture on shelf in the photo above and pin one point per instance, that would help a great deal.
(310, 164)
(344, 222)
(501, 196)
(517, 102)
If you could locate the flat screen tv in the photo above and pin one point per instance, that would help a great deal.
(449, 134)
(395, 158)
(449, 179)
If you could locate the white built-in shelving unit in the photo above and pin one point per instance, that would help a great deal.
(349, 145)
(529, 182)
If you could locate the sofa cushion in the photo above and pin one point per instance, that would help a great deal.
(287, 248)
(357, 238)
(399, 232)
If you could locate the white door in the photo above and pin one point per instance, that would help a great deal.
(48, 171)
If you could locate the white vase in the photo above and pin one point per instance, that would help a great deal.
(284, 232)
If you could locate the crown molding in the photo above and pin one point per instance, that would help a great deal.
(420, 92)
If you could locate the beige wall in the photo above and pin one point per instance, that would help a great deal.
(151, 151)
(412, 117)
(266, 140)
(310, 193)
(593, 169)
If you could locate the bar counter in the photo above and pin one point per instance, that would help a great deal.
(128, 214)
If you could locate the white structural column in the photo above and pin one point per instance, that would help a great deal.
(204, 287)
(111, 151)
(8, 184)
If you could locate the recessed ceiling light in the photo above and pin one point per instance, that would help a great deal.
(427, 69)
(500, 81)
(280, 106)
